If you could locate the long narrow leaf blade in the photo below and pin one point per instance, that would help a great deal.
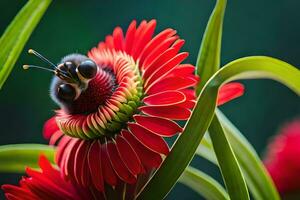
(17, 33)
(257, 178)
(203, 184)
(15, 157)
(186, 144)
(230, 169)
(260, 183)
(208, 61)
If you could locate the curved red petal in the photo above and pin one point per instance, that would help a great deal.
(129, 38)
(118, 165)
(157, 40)
(160, 126)
(61, 149)
(165, 69)
(189, 104)
(165, 98)
(230, 91)
(55, 137)
(183, 70)
(44, 184)
(47, 168)
(94, 161)
(169, 112)
(128, 156)
(162, 59)
(144, 37)
(50, 127)
(148, 158)
(80, 166)
(109, 41)
(108, 172)
(14, 192)
(171, 83)
(137, 34)
(118, 38)
(190, 94)
(149, 139)
(178, 44)
(68, 162)
(159, 50)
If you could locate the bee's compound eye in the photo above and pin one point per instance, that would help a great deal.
(66, 92)
(87, 69)
(69, 66)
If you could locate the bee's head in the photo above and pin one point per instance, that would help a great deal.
(70, 87)
(73, 74)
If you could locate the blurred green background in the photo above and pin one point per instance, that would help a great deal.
(268, 27)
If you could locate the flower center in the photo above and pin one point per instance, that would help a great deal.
(98, 91)
(110, 101)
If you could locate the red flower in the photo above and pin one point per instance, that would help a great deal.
(48, 184)
(282, 158)
(113, 129)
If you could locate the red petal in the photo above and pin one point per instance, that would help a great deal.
(165, 69)
(178, 44)
(162, 59)
(144, 38)
(46, 166)
(165, 98)
(118, 38)
(68, 161)
(109, 41)
(18, 197)
(155, 54)
(129, 39)
(189, 104)
(183, 70)
(148, 158)
(190, 94)
(61, 149)
(55, 137)
(14, 192)
(80, 168)
(160, 126)
(157, 40)
(171, 83)
(170, 112)
(94, 161)
(230, 91)
(118, 165)
(108, 172)
(150, 140)
(137, 35)
(50, 127)
(128, 156)
(41, 184)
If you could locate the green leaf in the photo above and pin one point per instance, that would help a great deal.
(17, 33)
(208, 61)
(257, 178)
(15, 157)
(230, 169)
(186, 144)
(205, 149)
(203, 184)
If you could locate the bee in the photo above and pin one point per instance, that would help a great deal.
(71, 79)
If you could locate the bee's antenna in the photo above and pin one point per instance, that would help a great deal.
(31, 51)
(38, 67)
(56, 71)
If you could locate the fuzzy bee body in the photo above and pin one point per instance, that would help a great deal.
(69, 87)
